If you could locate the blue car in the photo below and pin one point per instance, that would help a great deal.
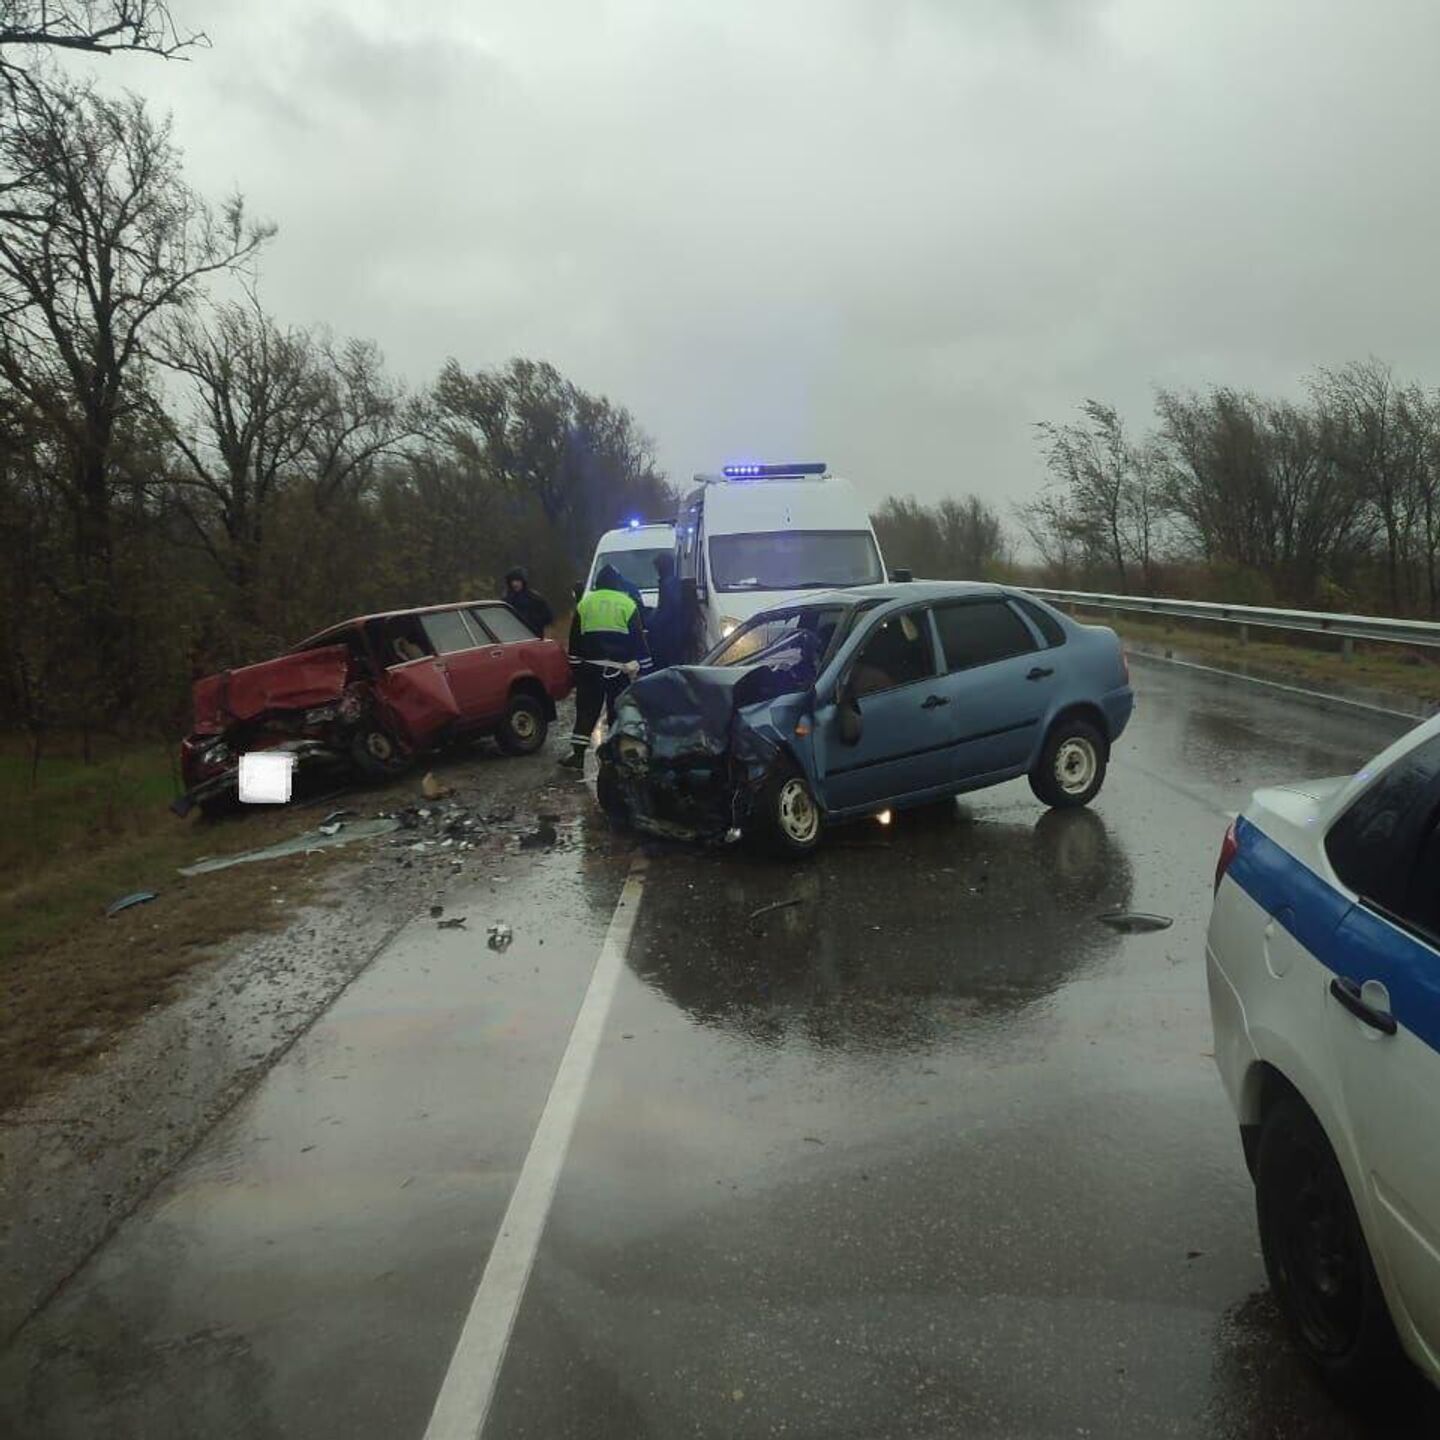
(852, 702)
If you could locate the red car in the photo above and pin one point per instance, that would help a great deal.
(376, 691)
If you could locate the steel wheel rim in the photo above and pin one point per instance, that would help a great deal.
(1075, 765)
(379, 746)
(522, 722)
(799, 818)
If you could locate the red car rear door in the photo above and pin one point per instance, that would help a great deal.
(476, 668)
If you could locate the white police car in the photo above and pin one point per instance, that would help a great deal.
(1323, 958)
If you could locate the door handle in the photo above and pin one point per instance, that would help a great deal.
(1347, 992)
(1040, 672)
(497, 654)
(933, 702)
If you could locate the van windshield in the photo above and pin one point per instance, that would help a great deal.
(794, 560)
(636, 566)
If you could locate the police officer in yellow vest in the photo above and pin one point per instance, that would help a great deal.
(607, 650)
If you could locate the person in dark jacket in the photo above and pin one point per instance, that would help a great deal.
(607, 650)
(668, 620)
(528, 604)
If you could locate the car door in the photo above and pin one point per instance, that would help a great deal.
(474, 665)
(999, 685)
(1384, 1018)
(905, 724)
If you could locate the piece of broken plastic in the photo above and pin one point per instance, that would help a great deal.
(139, 897)
(499, 935)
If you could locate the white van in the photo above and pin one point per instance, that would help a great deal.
(754, 536)
(632, 550)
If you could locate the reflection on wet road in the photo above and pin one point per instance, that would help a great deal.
(902, 1142)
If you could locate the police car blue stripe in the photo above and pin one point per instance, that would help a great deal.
(1347, 939)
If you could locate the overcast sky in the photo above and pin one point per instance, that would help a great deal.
(891, 234)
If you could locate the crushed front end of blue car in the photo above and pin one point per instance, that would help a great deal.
(692, 745)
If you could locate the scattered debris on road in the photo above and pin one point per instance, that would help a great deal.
(776, 905)
(499, 936)
(432, 789)
(436, 911)
(543, 837)
(455, 922)
(126, 901)
(1135, 922)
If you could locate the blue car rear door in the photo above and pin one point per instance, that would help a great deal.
(999, 681)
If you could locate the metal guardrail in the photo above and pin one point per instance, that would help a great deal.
(1348, 628)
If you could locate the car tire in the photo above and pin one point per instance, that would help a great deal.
(1071, 767)
(608, 794)
(1316, 1257)
(377, 754)
(524, 728)
(786, 818)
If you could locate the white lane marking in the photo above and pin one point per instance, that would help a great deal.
(469, 1385)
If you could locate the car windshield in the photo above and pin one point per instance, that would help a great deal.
(794, 560)
(636, 566)
(825, 622)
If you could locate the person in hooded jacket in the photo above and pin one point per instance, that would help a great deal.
(607, 650)
(528, 604)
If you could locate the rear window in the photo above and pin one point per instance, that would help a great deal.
(1373, 844)
(504, 624)
(980, 633)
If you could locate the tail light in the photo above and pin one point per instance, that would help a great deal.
(1229, 849)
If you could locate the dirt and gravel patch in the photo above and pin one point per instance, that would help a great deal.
(197, 1020)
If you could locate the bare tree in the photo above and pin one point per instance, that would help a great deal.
(1103, 499)
(105, 241)
(95, 27)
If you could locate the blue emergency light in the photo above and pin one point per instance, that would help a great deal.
(757, 472)
(634, 522)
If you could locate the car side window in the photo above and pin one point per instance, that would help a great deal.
(897, 652)
(1422, 903)
(1042, 619)
(981, 632)
(500, 623)
(1373, 846)
(448, 632)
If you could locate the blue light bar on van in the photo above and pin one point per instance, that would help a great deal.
(758, 472)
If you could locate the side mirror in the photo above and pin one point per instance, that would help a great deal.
(851, 724)
(901, 576)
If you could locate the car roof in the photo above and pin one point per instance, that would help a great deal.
(917, 592)
(340, 627)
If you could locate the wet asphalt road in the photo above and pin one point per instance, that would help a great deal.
(930, 1152)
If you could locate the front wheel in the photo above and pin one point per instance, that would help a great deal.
(523, 730)
(787, 814)
(609, 795)
(1316, 1257)
(377, 754)
(1071, 767)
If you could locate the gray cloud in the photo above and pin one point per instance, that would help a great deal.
(890, 234)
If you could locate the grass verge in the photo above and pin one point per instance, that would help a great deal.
(80, 836)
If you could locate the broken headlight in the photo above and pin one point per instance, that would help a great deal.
(320, 715)
(217, 755)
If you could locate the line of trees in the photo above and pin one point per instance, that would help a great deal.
(957, 538)
(1330, 502)
(187, 482)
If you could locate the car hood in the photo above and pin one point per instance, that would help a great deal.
(692, 711)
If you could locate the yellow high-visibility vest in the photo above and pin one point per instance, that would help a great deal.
(605, 611)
